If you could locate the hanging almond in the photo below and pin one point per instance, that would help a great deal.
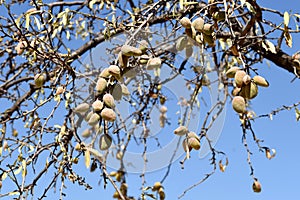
(231, 72)
(123, 60)
(105, 73)
(108, 114)
(105, 142)
(198, 24)
(188, 51)
(181, 43)
(181, 130)
(261, 81)
(116, 92)
(97, 105)
(249, 91)
(109, 101)
(101, 85)
(208, 29)
(82, 108)
(238, 78)
(239, 104)
(194, 143)
(130, 51)
(185, 22)
(115, 71)
(153, 63)
(186, 146)
(94, 119)
(86, 133)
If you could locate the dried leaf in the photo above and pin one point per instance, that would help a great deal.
(24, 166)
(288, 39)
(286, 19)
(297, 112)
(87, 158)
(223, 167)
(270, 155)
(269, 46)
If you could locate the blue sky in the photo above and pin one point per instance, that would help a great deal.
(279, 177)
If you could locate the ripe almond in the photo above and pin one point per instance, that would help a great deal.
(97, 105)
(198, 24)
(105, 142)
(239, 104)
(249, 91)
(130, 51)
(185, 22)
(194, 143)
(94, 119)
(109, 101)
(108, 114)
(261, 81)
(114, 70)
(101, 85)
(238, 78)
(82, 108)
(153, 63)
(181, 130)
(231, 72)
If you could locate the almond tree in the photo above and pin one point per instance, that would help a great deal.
(61, 98)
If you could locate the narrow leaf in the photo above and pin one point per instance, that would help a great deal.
(87, 158)
(286, 19)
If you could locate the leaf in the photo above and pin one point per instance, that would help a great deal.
(286, 19)
(61, 14)
(27, 21)
(270, 155)
(91, 4)
(150, 195)
(269, 46)
(181, 4)
(24, 166)
(250, 7)
(68, 35)
(17, 171)
(223, 167)
(87, 158)
(297, 112)
(297, 15)
(4, 176)
(13, 193)
(288, 39)
(243, 2)
(17, 21)
(37, 22)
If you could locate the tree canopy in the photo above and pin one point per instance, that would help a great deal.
(95, 82)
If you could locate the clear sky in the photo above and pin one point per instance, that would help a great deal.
(279, 177)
